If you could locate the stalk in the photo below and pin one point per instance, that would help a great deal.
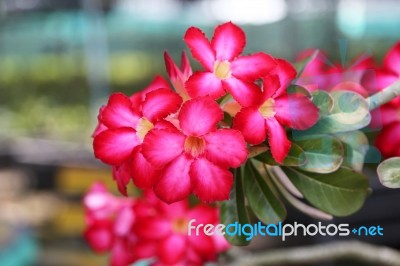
(384, 96)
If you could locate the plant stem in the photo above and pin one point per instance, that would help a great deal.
(354, 250)
(384, 96)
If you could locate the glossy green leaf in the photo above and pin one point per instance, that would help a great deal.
(389, 172)
(355, 145)
(349, 113)
(265, 205)
(340, 193)
(324, 154)
(301, 65)
(323, 101)
(295, 157)
(234, 210)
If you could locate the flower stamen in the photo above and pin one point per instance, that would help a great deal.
(267, 108)
(194, 146)
(222, 69)
(143, 127)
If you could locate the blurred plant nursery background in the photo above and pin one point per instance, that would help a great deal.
(60, 60)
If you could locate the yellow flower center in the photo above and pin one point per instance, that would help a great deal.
(194, 146)
(143, 127)
(180, 225)
(267, 108)
(222, 69)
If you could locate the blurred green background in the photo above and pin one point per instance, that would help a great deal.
(60, 59)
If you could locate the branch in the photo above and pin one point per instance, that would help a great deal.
(384, 96)
(356, 250)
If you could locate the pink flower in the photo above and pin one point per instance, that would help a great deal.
(273, 110)
(163, 232)
(132, 229)
(321, 74)
(224, 70)
(196, 157)
(124, 123)
(110, 223)
(178, 76)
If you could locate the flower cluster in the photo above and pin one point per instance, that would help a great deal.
(179, 142)
(365, 77)
(133, 229)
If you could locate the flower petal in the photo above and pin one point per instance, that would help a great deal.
(172, 249)
(392, 59)
(204, 214)
(384, 116)
(99, 236)
(144, 175)
(296, 111)
(388, 140)
(200, 47)
(252, 67)
(174, 184)
(114, 146)
(245, 93)
(204, 246)
(199, 116)
(153, 228)
(160, 103)
(277, 139)
(157, 83)
(226, 147)
(161, 146)
(252, 125)
(204, 84)
(210, 182)
(286, 73)
(228, 41)
(124, 221)
(122, 175)
(119, 112)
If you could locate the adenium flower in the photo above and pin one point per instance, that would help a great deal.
(274, 109)
(132, 229)
(109, 224)
(196, 157)
(124, 122)
(321, 74)
(225, 71)
(178, 76)
(163, 232)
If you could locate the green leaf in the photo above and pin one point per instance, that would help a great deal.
(265, 205)
(340, 193)
(349, 113)
(300, 66)
(323, 101)
(389, 172)
(324, 154)
(295, 157)
(298, 89)
(355, 146)
(234, 210)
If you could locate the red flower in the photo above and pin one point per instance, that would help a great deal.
(225, 71)
(147, 228)
(163, 232)
(109, 225)
(195, 158)
(273, 109)
(124, 122)
(321, 74)
(178, 76)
